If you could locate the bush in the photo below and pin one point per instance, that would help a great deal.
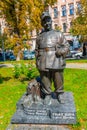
(17, 71)
(1, 79)
(23, 69)
(32, 72)
(29, 71)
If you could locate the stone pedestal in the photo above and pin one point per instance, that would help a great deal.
(48, 111)
(47, 114)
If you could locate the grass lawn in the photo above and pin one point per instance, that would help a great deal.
(11, 89)
(76, 61)
(76, 82)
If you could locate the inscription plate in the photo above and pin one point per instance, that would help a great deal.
(36, 112)
(63, 115)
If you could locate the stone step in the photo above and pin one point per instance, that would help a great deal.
(36, 127)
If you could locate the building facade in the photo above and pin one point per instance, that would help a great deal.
(62, 13)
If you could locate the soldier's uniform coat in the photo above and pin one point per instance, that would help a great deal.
(51, 49)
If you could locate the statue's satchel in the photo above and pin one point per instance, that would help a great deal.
(58, 60)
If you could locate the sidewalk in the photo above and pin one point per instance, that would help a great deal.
(6, 65)
(77, 65)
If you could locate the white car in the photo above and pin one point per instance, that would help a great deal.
(78, 55)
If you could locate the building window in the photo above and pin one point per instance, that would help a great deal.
(64, 27)
(71, 9)
(78, 7)
(55, 12)
(64, 10)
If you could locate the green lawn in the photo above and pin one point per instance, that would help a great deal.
(76, 82)
(76, 61)
(11, 89)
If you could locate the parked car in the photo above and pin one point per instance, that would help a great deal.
(79, 55)
(1, 57)
(71, 54)
(7, 56)
(29, 55)
(10, 56)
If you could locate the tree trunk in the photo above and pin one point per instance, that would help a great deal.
(18, 56)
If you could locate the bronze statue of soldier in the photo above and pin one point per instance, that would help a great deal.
(51, 49)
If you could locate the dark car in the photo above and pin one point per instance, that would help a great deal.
(10, 56)
(7, 56)
(29, 55)
(1, 57)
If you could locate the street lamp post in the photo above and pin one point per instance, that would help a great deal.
(1, 35)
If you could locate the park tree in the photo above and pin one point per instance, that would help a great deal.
(22, 16)
(79, 24)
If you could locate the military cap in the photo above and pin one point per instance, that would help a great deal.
(45, 14)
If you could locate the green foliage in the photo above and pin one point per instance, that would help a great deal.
(17, 71)
(32, 72)
(28, 71)
(1, 79)
(23, 69)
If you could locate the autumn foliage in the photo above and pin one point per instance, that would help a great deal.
(22, 16)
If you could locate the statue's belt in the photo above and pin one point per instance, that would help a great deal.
(47, 49)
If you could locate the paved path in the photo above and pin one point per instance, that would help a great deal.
(77, 65)
(68, 65)
(6, 65)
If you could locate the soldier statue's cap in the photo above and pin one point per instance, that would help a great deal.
(44, 15)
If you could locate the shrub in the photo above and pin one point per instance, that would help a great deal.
(1, 79)
(29, 71)
(32, 72)
(24, 69)
(17, 71)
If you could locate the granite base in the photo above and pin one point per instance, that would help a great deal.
(45, 112)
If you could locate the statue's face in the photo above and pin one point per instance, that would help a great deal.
(47, 23)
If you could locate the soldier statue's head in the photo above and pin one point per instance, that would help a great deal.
(46, 21)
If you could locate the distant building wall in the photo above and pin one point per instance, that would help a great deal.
(63, 12)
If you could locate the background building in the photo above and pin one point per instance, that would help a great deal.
(62, 14)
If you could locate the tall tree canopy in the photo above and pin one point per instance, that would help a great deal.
(22, 16)
(79, 26)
